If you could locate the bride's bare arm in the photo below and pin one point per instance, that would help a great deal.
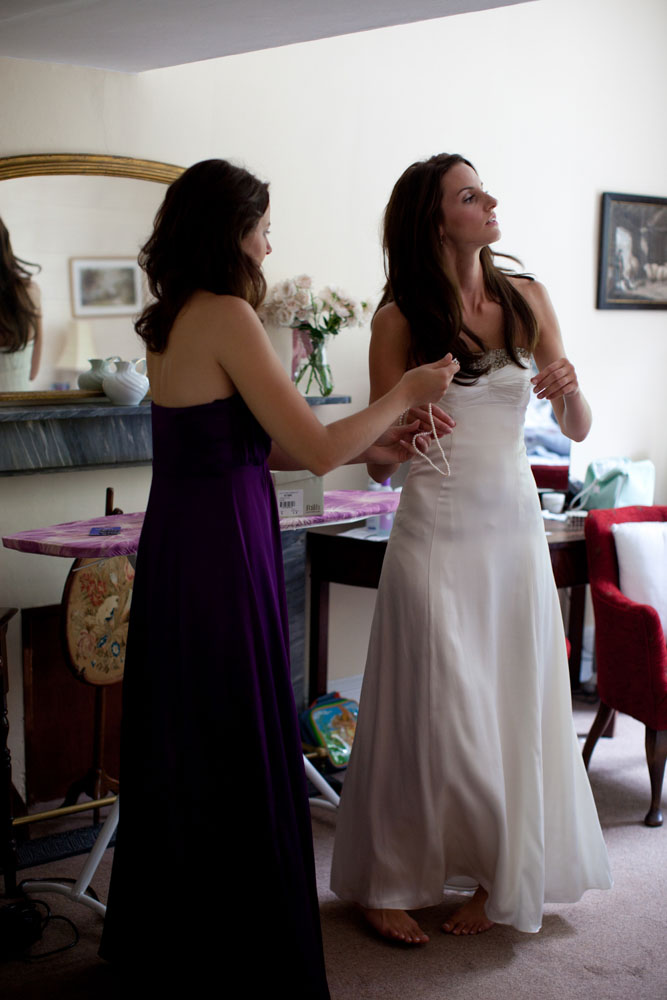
(238, 342)
(557, 379)
(388, 361)
(36, 350)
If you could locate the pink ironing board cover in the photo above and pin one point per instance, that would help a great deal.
(74, 541)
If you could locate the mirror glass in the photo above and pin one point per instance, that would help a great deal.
(53, 219)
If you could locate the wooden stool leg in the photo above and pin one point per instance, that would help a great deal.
(98, 749)
(656, 753)
(7, 842)
(602, 719)
(108, 503)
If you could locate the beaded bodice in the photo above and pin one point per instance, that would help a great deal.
(498, 357)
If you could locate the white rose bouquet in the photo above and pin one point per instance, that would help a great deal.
(292, 303)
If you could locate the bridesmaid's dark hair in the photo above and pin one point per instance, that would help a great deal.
(196, 244)
(18, 314)
(426, 294)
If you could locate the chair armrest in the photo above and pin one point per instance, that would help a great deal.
(631, 656)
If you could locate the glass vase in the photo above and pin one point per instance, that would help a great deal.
(313, 375)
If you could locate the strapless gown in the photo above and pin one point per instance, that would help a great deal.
(213, 875)
(465, 760)
(15, 369)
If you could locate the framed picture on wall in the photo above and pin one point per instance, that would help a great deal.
(633, 252)
(105, 286)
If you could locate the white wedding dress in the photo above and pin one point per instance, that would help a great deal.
(465, 760)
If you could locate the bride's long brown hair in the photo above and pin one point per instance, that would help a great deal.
(429, 297)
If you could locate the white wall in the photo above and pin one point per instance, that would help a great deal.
(554, 101)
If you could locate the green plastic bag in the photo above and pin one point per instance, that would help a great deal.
(616, 482)
(330, 722)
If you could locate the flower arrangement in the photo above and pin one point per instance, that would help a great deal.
(292, 303)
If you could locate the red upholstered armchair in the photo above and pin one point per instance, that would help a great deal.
(630, 648)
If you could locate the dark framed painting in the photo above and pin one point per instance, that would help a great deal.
(633, 252)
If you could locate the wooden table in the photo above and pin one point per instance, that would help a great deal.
(357, 562)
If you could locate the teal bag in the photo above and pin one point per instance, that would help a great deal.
(616, 482)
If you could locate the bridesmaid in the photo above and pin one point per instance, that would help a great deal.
(210, 750)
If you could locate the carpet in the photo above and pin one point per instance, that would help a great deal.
(609, 946)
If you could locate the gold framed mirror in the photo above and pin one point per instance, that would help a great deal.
(57, 206)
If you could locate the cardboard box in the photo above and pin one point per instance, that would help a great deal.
(299, 493)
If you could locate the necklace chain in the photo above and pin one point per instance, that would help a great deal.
(426, 435)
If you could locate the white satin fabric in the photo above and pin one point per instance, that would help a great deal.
(465, 760)
(15, 369)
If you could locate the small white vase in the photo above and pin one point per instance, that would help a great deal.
(126, 385)
(93, 378)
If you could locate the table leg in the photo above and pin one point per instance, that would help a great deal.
(319, 637)
(575, 632)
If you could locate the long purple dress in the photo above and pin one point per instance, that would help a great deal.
(213, 871)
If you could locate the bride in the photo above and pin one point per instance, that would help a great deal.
(465, 762)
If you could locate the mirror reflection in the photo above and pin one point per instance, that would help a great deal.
(20, 318)
(52, 220)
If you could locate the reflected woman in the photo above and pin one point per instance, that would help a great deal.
(20, 319)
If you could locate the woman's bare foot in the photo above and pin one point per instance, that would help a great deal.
(397, 925)
(471, 917)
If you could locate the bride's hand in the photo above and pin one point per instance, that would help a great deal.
(556, 380)
(444, 424)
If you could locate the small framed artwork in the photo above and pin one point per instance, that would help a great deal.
(633, 252)
(105, 286)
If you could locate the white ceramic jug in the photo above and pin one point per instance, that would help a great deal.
(126, 385)
(93, 378)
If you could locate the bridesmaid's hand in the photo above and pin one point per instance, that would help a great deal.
(394, 446)
(428, 383)
(556, 381)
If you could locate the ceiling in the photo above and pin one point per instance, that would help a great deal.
(136, 35)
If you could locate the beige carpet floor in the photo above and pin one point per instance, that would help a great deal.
(610, 946)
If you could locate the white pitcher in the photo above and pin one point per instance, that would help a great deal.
(93, 378)
(126, 385)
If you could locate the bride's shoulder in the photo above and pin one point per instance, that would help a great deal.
(390, 345)
(390, 321)
(532, 290)
(538, 299)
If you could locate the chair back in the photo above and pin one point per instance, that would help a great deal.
(629, 642)
(600, 545)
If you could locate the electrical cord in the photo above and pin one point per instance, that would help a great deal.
(22, 925)
(48, 919)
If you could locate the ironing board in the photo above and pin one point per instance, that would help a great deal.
(74, 540)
